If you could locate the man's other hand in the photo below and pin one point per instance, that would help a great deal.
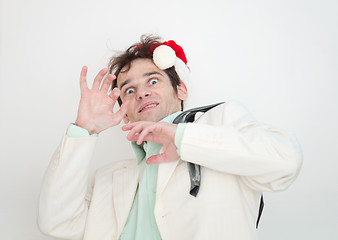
(95, 112)
(160, 132)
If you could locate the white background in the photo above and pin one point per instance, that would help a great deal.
(277, 57)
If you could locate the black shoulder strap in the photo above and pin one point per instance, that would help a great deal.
(189, 115)
(194, 169)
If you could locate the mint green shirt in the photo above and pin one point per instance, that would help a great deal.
(141, 223)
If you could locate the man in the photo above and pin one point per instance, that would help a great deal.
(148, 197)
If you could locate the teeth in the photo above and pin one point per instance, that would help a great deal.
(150, 105)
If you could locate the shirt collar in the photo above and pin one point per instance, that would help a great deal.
(138, 149)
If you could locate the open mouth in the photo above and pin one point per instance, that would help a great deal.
(148, 106)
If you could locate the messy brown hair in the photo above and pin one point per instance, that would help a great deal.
(142, 49)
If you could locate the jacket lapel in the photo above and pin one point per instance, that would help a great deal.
(165, 170)
(125, 182)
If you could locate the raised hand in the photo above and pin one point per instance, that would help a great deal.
(159, 132)
(95, 112)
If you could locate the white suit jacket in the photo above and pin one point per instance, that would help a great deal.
(239, 158)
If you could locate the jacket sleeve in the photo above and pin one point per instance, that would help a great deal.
(228, 139)
(64, 199)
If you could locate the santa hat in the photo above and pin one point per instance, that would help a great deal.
(168, 54)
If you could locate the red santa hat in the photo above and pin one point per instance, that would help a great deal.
(168, 54)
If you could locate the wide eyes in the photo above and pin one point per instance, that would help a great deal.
(130, 91)
(153, 81)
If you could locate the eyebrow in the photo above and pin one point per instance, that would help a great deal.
(148, 74)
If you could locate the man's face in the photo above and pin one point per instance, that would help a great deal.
(149, 92)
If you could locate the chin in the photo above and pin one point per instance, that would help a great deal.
(151, 118)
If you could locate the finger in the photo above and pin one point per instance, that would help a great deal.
(133, 135)
(83, 79)
(135, 130)
(159, 158)
(98, 79)
(130, 126)
(133, 138)
(127, 127)
(150, 137)
(114, 94)
(107, 83)
(141, 137)
(119, 115)
(146, 132)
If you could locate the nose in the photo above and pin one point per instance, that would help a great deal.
(143, 93)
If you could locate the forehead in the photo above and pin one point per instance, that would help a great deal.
(138, 68)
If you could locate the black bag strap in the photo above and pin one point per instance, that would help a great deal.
(195, 169)
(189, 115)
(260, 210)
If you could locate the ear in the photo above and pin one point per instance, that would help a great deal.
(182, 91)
(126, 119)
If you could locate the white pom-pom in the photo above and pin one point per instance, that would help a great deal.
(164, 57)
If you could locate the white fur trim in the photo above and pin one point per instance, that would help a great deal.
(182, 69)
(183, 72)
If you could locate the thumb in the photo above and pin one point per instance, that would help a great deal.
(121, 113)
(156, 159)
